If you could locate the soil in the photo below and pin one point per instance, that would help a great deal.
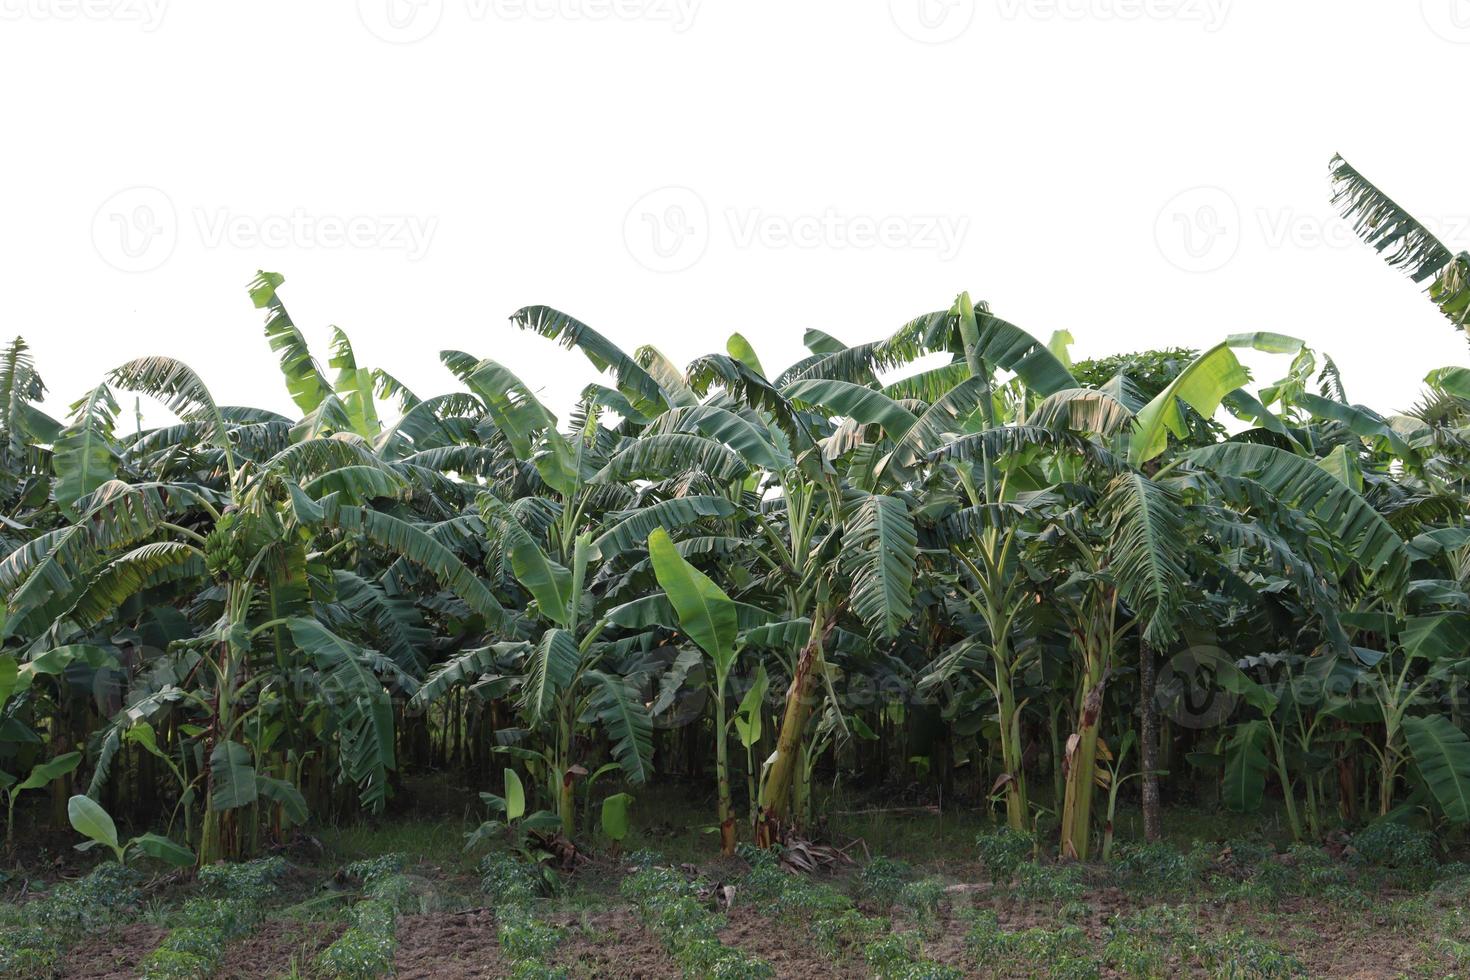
(611, 943)
(451, 945)
(272, 948)
(790, 951)
(112, 955)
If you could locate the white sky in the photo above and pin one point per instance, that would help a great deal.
(520, 152)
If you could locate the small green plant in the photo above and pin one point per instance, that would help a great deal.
(1157, 868)
(670, 906)
(900, 957)
(536, 970)
(90, 820)
(1003, 852)
(805, 901)
(176, 964)
(523, 938)
(837, 934)
(765, 882)
(882, 879)
(192, 949)
(1386, 844)
(1141, 944)
(253, 881)
(370, 870)
(1055, 884)
(30, 951)
(512, 821)
(1241, 956)
(358, 955)
(921, 899)
(41, 776)
(366, 949)
(508, 881)
(616, 818)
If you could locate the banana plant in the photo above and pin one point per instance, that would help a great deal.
(748, 728)
(41, 776)
(89, 819)
(708, 616)
(1403, 241)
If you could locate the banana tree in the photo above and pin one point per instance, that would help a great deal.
(711, 620)
(1403, 241)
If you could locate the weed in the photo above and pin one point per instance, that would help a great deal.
(1157, 868)
(523, 938)
(508, 881)
(1241, 956)
(176, 964)
(1140, 944)
(370, 869)
(536, 970)
(764, 883)
(1003, 852)
(31, 951)
(358, 954)
(882, 879)
(1056, 883)
(805, 901)
(839, 933)
(253, 881)
(922, 898)
(366, 948)
(103, 898)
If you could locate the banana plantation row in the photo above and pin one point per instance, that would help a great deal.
(949, 555)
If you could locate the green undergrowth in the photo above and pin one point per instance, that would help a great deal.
(35, 935)
(678, 911)
(366, 949)
(230, 907)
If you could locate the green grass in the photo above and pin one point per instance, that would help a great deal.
(1219, 899)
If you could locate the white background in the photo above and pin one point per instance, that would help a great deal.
(523, 139)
